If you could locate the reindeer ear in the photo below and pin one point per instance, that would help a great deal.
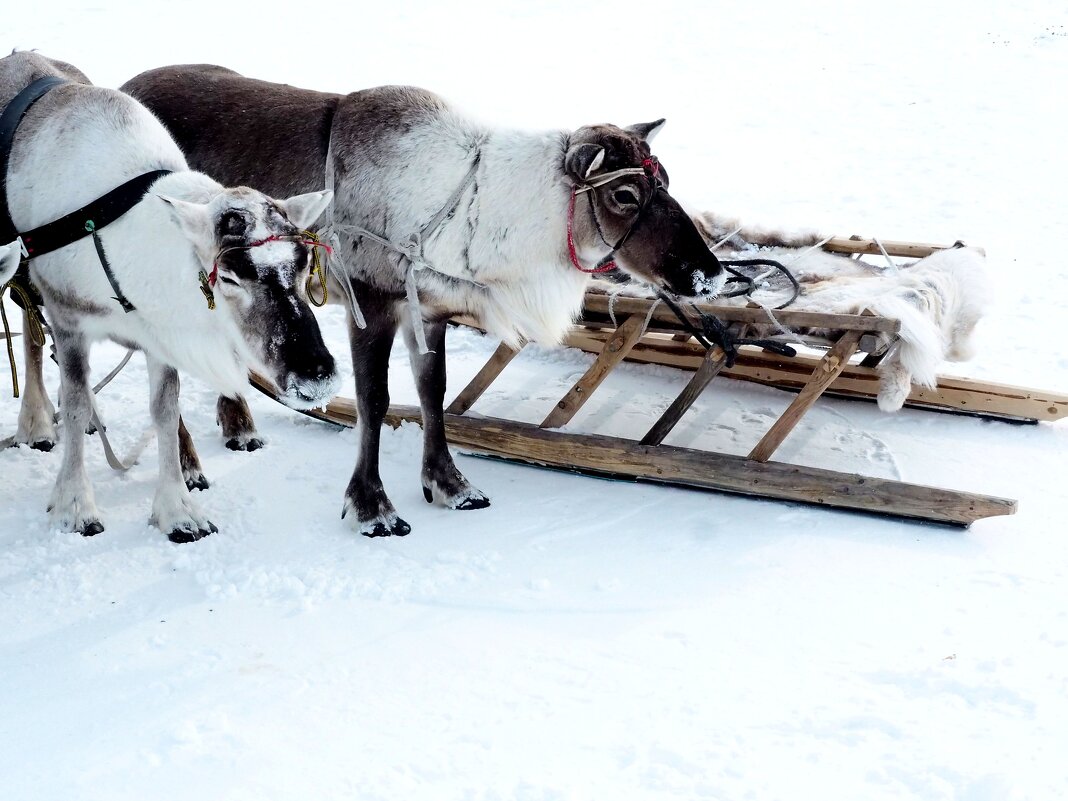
(303, 210)
(582, 160)
(647, 130)
(194, 218)
(10, 256)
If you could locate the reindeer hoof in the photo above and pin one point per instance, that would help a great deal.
(454, 493)
(92, 528)
(239, 444)
(197, 482)
(184, 535)
(380, 528)
(43, 445)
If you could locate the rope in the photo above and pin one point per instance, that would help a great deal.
(725, 239)
(316, 270)
(714, 332)
(889, 261)
(36, 331)
(412, 248)
(334, 263)
(10, 350)
(112, 458)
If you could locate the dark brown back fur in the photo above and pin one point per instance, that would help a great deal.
(286, 156)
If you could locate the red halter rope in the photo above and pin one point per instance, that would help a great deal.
(300, 240)
(652, 168)
(208, 280)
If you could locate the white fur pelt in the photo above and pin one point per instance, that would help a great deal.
(938, 299)
(9, 262)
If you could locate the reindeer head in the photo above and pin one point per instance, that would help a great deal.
(257, 256)
(629, 217)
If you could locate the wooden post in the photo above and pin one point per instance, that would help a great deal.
(829, 368)
(617, 346)
(711, 365)
(486, 376)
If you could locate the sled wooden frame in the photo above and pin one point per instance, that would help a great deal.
(664, 341)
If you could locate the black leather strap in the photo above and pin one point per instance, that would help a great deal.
(9, 123)
(92, 217)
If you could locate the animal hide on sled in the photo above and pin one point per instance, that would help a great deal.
(938, 299)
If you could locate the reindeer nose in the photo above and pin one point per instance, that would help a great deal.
(323, 367)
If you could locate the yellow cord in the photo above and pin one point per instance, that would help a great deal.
(36, 328)
(10, 348)
(317, 269)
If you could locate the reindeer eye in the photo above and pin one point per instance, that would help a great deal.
(625, 197)
(227, 280)
(234, 224)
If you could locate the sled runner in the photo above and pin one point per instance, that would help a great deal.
(644, 333)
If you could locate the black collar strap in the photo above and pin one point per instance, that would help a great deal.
(89, 218)
(9, 123)
(86, 221)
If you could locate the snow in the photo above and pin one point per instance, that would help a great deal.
(584, 638)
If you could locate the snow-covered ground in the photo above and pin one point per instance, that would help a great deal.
(584, 639)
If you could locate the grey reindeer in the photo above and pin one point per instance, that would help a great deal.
(436, 215)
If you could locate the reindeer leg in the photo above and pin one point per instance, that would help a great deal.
(187, 454)
(373, 512)
(238, 427)
(173, 509)
(442, 480)
(72, 506)
(37, 427)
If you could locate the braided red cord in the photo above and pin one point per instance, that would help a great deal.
(571, 242)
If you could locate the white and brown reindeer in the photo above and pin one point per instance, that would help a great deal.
(186, 241)
(437, 215)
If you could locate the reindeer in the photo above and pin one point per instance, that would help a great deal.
(201, 278)
(436, 215)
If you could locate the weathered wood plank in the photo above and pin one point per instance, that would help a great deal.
(686, 467)
(712, 471)
(858, 244)
(829, 368)
(616, 347)
(662, 315)
(965, 395)
(470, 394)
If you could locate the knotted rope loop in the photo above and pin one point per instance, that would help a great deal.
(317, 268)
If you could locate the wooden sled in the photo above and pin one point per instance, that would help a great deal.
(665, 341)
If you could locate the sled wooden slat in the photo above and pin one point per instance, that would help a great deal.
(598, 303)
(963, 395)
(616, 347)
(828, 369)
(711, 365)
(863, 245)
(616, 457)
(470, 394)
